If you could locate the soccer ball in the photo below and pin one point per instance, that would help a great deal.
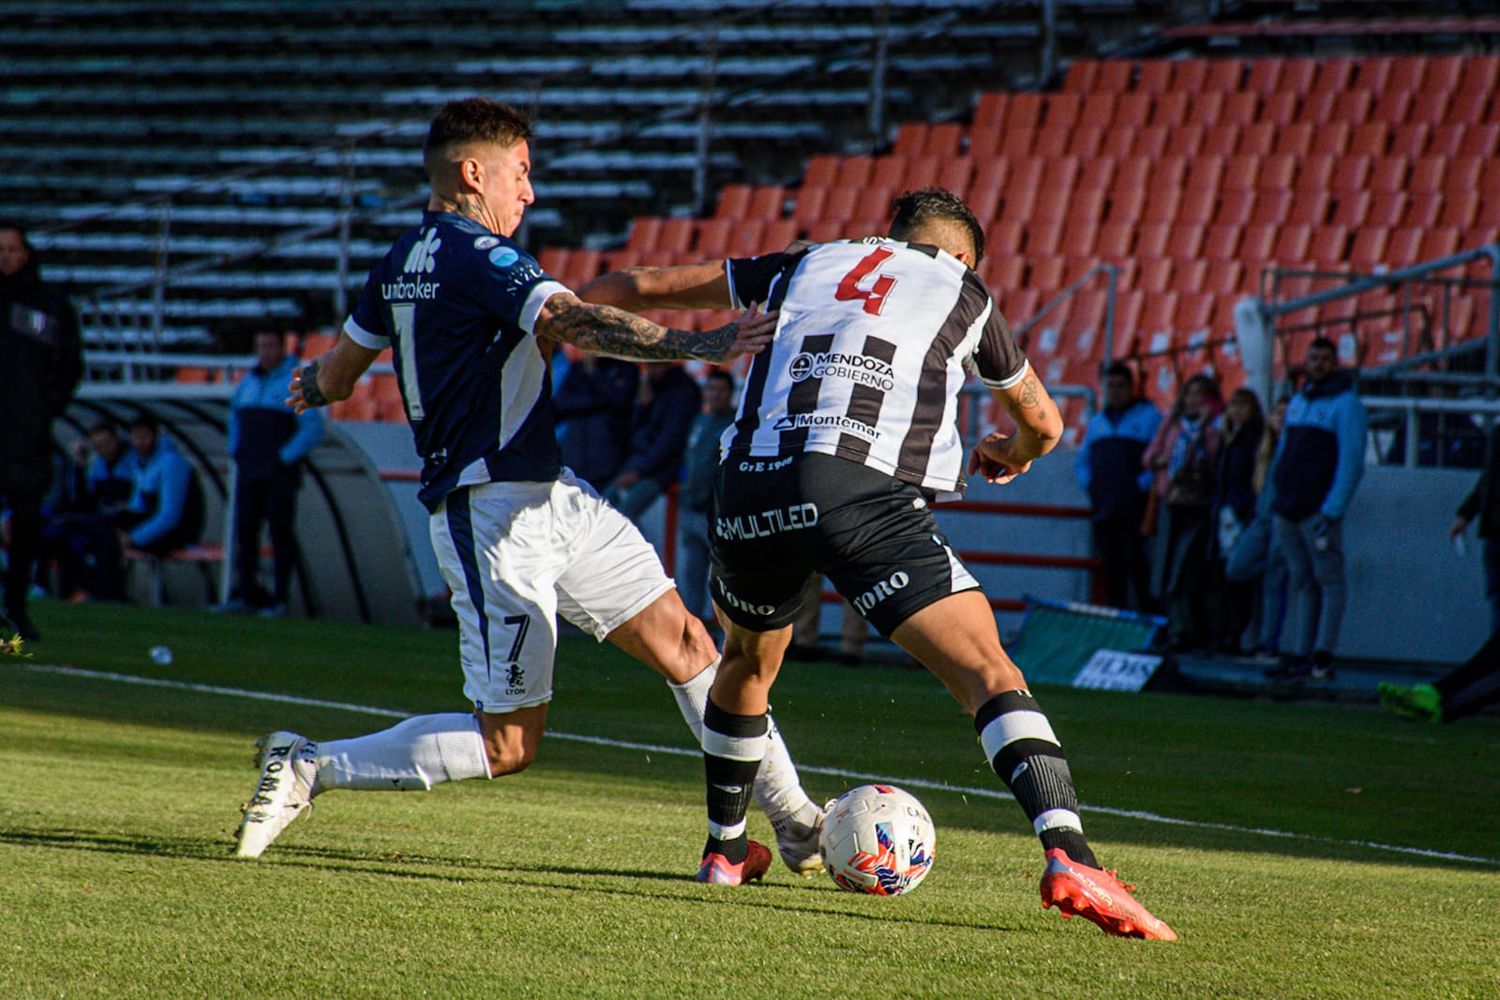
(877, 839)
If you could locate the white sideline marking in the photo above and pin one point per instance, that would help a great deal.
(837, 772)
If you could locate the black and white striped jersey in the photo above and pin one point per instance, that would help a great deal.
(870, 352)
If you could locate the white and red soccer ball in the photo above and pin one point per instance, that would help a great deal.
(877, 839)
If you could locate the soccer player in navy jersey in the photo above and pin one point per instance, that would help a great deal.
(473, 321)
(846, 432)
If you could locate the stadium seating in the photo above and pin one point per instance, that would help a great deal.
(1194, 176)
(233, 123)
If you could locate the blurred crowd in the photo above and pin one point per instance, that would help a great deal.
(1223, 517)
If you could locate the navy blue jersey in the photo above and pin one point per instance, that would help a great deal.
(458, 304)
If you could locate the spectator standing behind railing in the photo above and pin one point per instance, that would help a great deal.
(700, 466)
(269, 444)
(596, 398)
(1234, 511)
(1257, 555)
(666, 403)
(1319, 462)
(1182, 455)
(1109, 470)
(1483, 502)
(41, 361)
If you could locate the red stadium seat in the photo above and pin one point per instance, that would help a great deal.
(1025, 111)
(1235, 208)
(1477, 140)
(1352, 106)
(1155, 275)
(910, 138)
(1150, 140)
(1329, 245)
(1161, 204)
(734, 201)
(1369, 139)
(809, 207)
(1388, 173)
(1402, 247)
(1189, 273)
(1412, 140)
(821, 171)
(992, 106)
(1155, 76)
(1333, 74)
(1222, 242)
(1171, 109)
(1186, 140)
(1084, 141)
(768, 203)
(1280, 109)
(1264, 75)
(1329, 138)
(1115, 240)
(1223, 74)
(1422, 210)
(1309, 206)
(1458, 209)
(1004, 236)
(945, 139)
(1126, 205)
(1271, 207)
(1465, 107)
(854, 171)
(1351, 173)
(1470, 173)
(713, 238)
(1257, 242)
(1206, 109)
(1292, 243)
(1046, 272)
(1043, 239)
(1117, 143)
(1316, 108)
(1241, 173)
(1239, 109)
(1427, 174)
(1098, 109)
(644, 232)
(1051, 142)
(1438, 243)
(1276, 173)
(1223, 277)
(1256, 139)
(1085, 207)
(1315, 172)
(1197, 205)
(1151, 240)
(1097, 174)
(1132, 110)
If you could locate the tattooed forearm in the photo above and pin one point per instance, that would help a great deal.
(1030, 396)
(607, 330)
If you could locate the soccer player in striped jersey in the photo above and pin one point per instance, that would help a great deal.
(473, 320)
(846, 432)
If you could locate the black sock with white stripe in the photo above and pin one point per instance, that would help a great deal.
(733, 746)
(1025, 754)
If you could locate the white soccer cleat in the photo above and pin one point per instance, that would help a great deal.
(797, 839)
(288, 769)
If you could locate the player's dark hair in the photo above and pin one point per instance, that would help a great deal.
(720, 373)
(912, 210)
(13, 224)
(1120, 369)
(100, 426)
(146, 421)
(1323, 344)
(473, 119)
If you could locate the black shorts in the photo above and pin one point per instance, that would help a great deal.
(778, 520)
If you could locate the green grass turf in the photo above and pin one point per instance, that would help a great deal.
(571, 880)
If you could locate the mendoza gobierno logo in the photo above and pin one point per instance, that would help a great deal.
(860, 369)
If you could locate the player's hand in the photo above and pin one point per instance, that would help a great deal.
(752, 332)
(992, 460)
(294, 393)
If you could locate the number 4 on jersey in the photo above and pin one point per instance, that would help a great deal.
(874, 296)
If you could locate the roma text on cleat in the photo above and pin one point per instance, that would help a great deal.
(283, 789)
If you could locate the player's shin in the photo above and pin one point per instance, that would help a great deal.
(733, 746)
(777, 788)
(412, 755)
(1025, 754)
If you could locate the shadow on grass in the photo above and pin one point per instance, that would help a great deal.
(762, 896)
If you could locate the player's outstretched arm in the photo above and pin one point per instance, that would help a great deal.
(604, 329)
(686, 286)
(330, 378)
(1000, 458)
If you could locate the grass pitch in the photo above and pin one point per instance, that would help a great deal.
(573, 879)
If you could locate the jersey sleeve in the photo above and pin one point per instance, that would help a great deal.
(514, 286)
(750, 278)
(366, 325)
(998, 360)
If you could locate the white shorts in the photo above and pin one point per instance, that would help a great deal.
(515, 555)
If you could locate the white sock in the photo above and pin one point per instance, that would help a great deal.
(778, 790)
(418, 753)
